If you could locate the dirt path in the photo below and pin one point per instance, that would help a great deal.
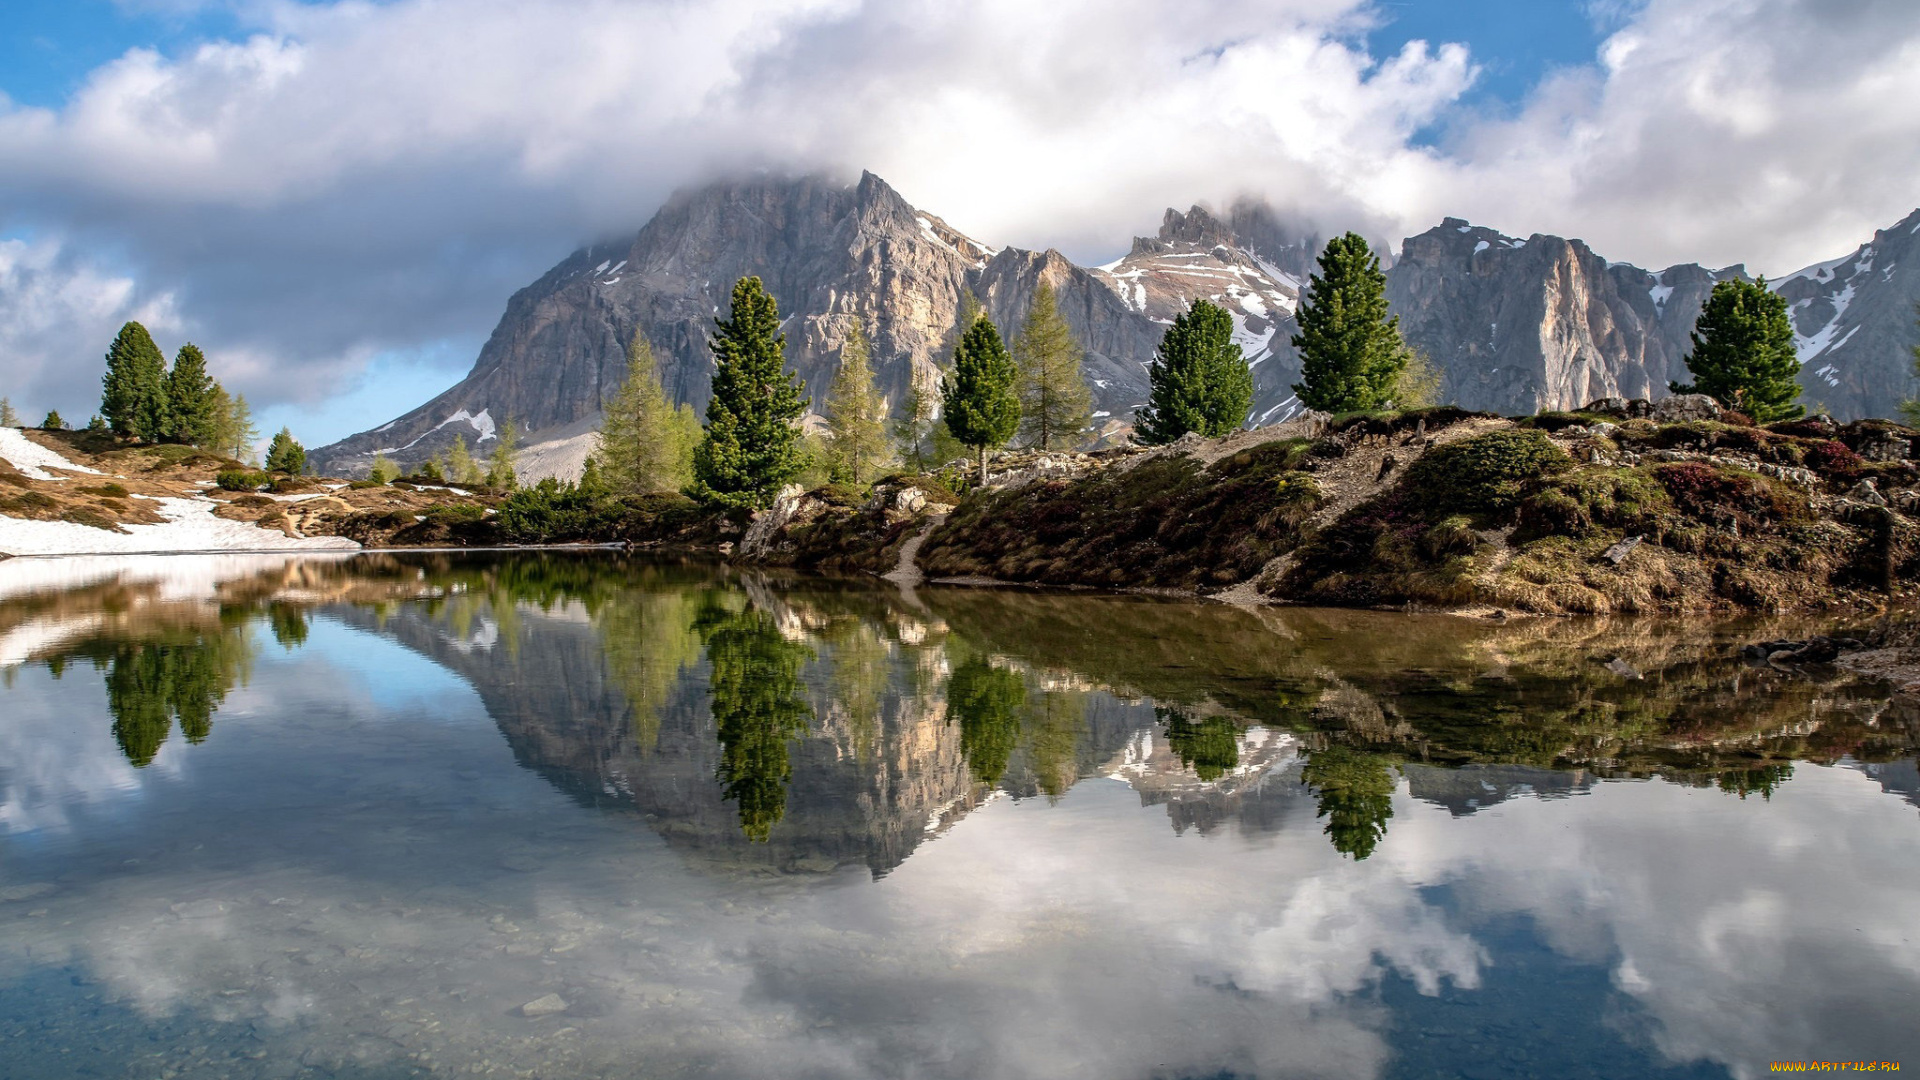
(906, 572)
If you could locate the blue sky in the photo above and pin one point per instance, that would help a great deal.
(335, 199)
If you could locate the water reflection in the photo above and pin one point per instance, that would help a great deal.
(1117, 837)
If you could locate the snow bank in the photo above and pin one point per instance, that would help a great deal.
(33, 459)
(190, 526)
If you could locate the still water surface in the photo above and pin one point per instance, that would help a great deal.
(581, 816)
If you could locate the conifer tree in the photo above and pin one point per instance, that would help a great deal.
(190, 398)
(1055, 404)
(856, 415)
(1351, 353)
(8, 418)
(54, 422)
(460, 466)
(97, 423)
(1200, 381)
(644, 445)
(752, 443)
(134, 390)
(977, 396)
(384, 471)
(284, 455)
(233, 433)
(910, 431)
(1743, 355)
(506, 436)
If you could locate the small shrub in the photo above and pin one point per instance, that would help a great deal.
(291, 485)
(112, 491)
(1296, 488)
(1831, 458)
(455, 513)
(1451, 537)
(1486, 473)
(553, 510)
(1709, 494)
(250, 501)
(241, 480)
(362, 485)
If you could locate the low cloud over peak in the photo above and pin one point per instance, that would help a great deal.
(353, 179)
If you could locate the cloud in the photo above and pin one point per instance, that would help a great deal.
(357, 180)
(58, 311)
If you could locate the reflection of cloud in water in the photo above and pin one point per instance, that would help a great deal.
(52, 773)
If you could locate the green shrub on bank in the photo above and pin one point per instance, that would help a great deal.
(241, 480)
(1487, 472)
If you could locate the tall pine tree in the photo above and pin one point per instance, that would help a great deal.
(856, 415)
(190, 398)
(1743, 354)
(1200, 381)
(134, 390)
(646, 445)
(982, 409)
(1055, 404)
(752, 443)
(1351, 353)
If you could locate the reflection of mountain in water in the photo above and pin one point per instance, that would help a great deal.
(803, 724)
(863, 786)
(1468, 788)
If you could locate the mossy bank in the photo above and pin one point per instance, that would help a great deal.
(1613, 510)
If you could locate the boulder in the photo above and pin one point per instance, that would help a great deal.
(1682, 408)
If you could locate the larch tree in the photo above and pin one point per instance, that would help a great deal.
(233, 430)
(646, 445)
(133, 395)
(752, 442)
(1743, 355)
(461, 468)
(1055, 404)
(1199, 379)
(8, 417)
(856, 415)
(500, 474)
(978, 396)
(190, 398)
(1351, 353)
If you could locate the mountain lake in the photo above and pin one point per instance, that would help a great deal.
(582, 814)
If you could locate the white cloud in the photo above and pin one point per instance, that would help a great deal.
(58, 311)
(361, 177)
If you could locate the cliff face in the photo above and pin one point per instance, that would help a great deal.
(1514, 325)
(1542, 323)
(1854, 323)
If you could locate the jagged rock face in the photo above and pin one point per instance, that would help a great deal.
(863, 789)
(1853, 320)
(1542, 323)
(1196, 256)
(828, 253)
(1514, 325)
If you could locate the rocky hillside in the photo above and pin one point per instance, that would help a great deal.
(1516, 325)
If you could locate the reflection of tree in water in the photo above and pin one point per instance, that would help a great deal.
(289, 625)
(648, 637)
(151, 684)
(1209, 747)
(1054, 726)
(988, 702)
(861, 666)
(1760, 780)
(1356, 797)
(757, 706)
